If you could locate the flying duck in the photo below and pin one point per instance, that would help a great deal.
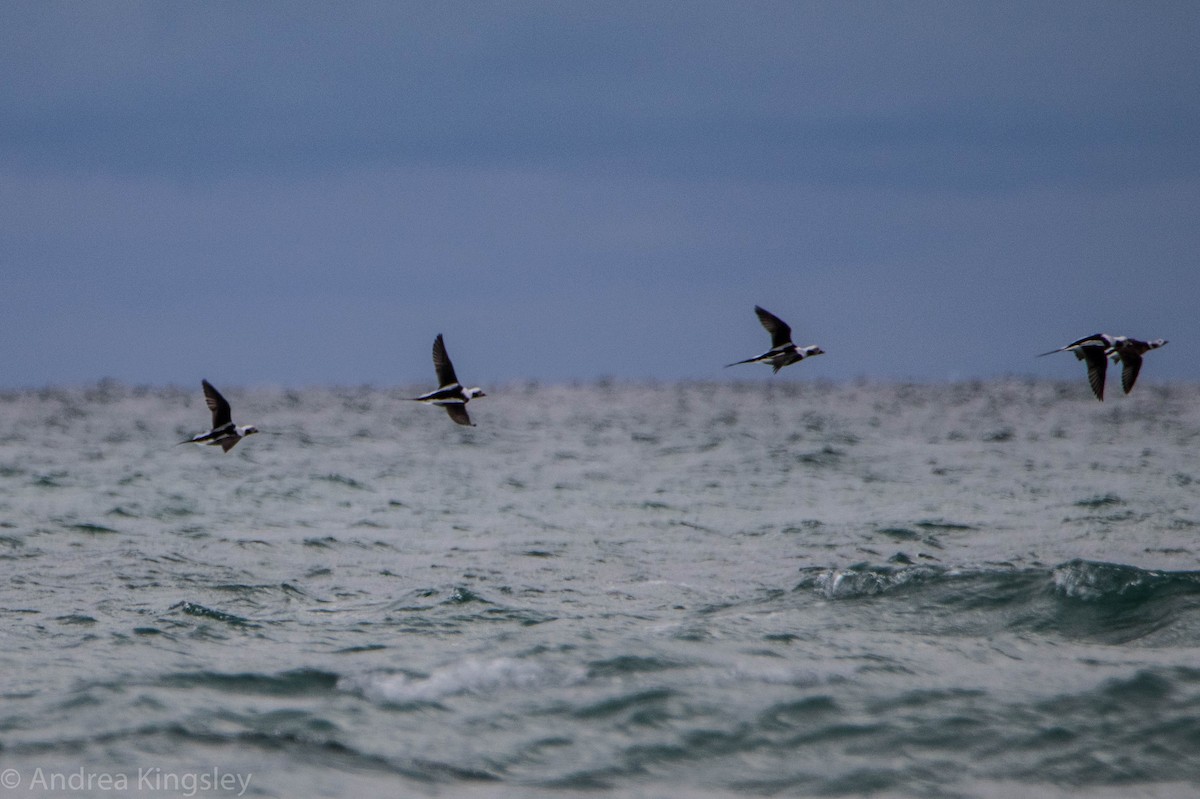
(1097, 348)
(783, 352)
(224, 432)
(450, 394)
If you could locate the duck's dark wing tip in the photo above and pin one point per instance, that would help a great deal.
(1097, 365)
(1131, 364)
(780, 332)
(221, 414)
(442, 364)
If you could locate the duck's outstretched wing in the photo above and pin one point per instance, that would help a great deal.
(1131, 364)
(441, 362)
(458, 412)
(221, 415)
(781, 334)
(1097, 365)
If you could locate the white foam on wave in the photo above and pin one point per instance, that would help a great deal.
(1091, 580)
(469, 676)
(750, 671)
(854, 583)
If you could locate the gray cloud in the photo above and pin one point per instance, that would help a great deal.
(945, 94)
(568, 190)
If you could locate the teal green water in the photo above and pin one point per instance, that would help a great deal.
(964, 590)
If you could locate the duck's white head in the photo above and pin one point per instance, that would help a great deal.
(472, 393)
(247, 429)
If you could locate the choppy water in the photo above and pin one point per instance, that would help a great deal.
(976, 590)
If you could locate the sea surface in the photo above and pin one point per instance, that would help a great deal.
(986, 589)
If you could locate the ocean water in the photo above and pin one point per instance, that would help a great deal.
(982, 589)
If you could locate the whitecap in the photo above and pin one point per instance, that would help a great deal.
(470, 676)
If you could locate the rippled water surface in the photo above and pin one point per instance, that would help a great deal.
(967, 590)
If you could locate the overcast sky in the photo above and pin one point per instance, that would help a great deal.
(288, 193)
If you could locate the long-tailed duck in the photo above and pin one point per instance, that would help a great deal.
(224, 432)
(1096, 349)
(783, 352)
(449, 394)
(1129, 352)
